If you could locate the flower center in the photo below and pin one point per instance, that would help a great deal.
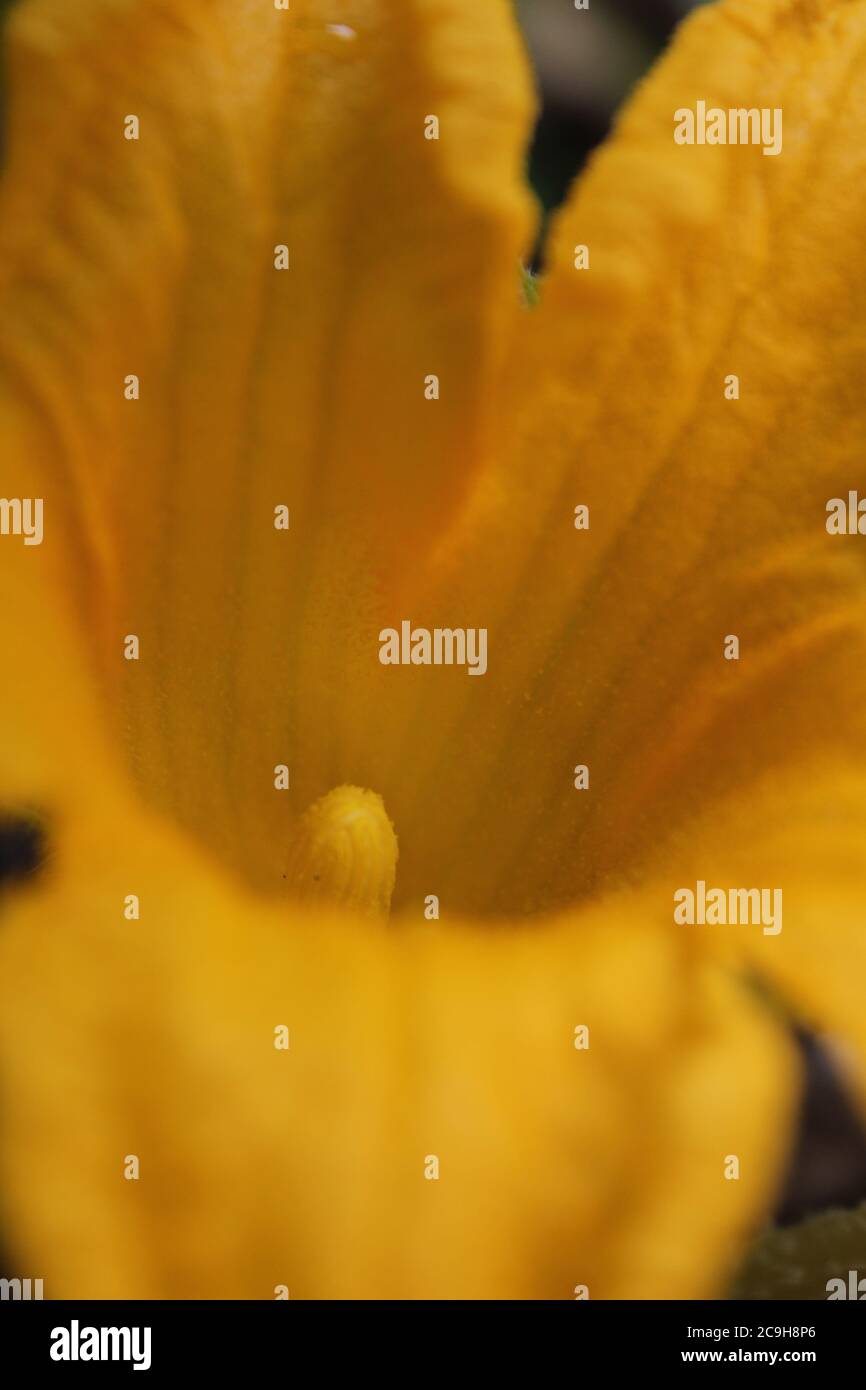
(345, 852)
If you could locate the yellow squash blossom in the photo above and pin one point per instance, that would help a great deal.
(223, 1072)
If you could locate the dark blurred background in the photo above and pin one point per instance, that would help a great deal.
(587, 62)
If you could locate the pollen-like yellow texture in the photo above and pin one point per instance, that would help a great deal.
(344, 851)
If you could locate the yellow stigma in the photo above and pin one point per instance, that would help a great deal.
(344, 851)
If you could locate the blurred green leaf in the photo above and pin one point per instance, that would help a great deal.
(798, 1261)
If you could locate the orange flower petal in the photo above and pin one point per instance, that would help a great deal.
(155, 1039)
(707, 515)
(258, 388)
